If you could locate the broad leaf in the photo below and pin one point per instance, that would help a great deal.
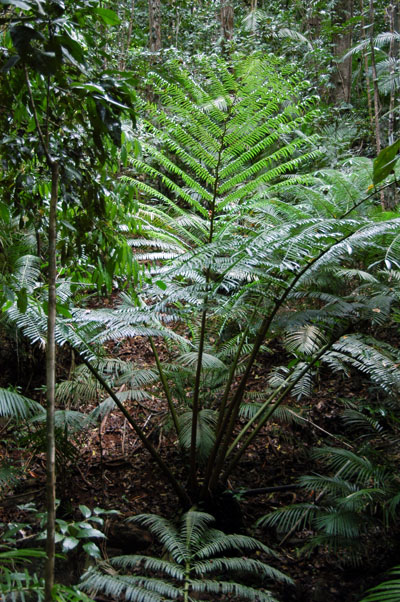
(69, 543)
(108, 16)
(385, 162)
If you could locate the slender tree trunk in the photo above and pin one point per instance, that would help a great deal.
(374, 77)
(181, 493)
(342, 41)
(392, 12)
(155, 42)
(196, 406)
(227, 17)
(50, 350)
(366, 68)
(378, 140)
(125, 50)
(50, 389)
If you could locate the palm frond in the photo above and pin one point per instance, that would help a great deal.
(205, 438)
(166, 532)
(306, 340)
(284, 519)
(16, 406)
(195, 564)
(387, 591)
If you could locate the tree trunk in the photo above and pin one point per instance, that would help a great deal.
(374, 77)
(342, 40)
(366, 68)
(393, 16)
(155, 43)
(378, 139)
(226, 16)
(125, 49)
(50, 351)
(50, 390)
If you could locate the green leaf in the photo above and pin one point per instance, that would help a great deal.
(73, 48)
(22, 300)
(124, 155)
(21, 36)
(90, 532)
(90, 87)
(108, 16)
(86, 512)
(385, 162)
(69, 543)
(63, 311)
(13, 60)
(91, 549)
(161, 285)
(98, 510)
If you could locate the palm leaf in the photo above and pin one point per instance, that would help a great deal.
(16, 406)
(387, 591)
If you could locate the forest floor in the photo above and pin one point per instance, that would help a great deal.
(111, 470)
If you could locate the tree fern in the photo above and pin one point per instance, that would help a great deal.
(243, 249)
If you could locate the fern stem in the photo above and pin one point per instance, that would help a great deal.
(166, 388)
(375, 191)
(230, 420)
(187, 582)
(233, 369)
(196, 393)
(221, 412)
(181, 493)
(265, 405)
(196, 403)
(268, 413)
(319, 496)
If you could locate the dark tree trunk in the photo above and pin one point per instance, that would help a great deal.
(342, 41)
(226, 17)
(50, 349)
(50, 389)
(155, 42)
(125, 48)
(366, 67)
(393, 17)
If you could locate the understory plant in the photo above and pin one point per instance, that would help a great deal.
(197, 559)
(19, 583)
(354, 497)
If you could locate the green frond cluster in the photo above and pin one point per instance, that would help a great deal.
(195, 559)
(343, 507)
